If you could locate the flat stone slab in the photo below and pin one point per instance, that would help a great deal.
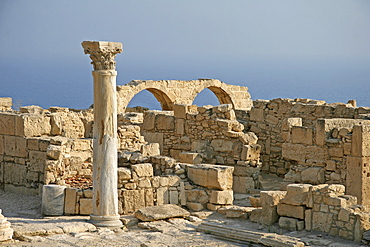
(161, 212)
(45, 227)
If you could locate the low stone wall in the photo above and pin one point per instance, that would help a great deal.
(308, 207)
(196, 187)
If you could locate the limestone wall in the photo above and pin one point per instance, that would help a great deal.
(207, 134)
(39, 147)
(275, 121)
(322, 207)
(163, 181)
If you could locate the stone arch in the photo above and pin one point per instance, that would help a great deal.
(222, 96)
(169, 92)
(163, 99)
(221, 90)
(126, 92)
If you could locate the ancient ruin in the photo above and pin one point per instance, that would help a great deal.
(114, 160)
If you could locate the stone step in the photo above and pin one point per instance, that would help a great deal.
(246, 236)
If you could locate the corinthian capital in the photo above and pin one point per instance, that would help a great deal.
(102, 53)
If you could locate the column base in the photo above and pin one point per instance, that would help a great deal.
(106, 221)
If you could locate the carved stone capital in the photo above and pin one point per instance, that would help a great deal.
(102, 53)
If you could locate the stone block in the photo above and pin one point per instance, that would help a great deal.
(246, 171)
(14, 173)
(211, 176)
(1, 145)
(29, 125)
(190, 157)
(182, 194)
(321, 221)
(162, 196)
(302, 135)
(6, 103)
(297, 194)
(173, 180)
(52, 200)
(335, 201)
(165, 122)
(255, 215)
(150, 149)
(149, 197)
(88, 193)
(313, 175)
(336, 152)
(243, 184)
(54, 152)
(301, 153)
(289, 224)
(180, 111)
(197, 195)
(133, 200)
(257, 115)
(330, 165)
(33, 144)
(144, 183)
(143, 170)
(15, 146)
(225, 197)
(149, 120)
(70, 201)
(86, 206)
(269, 202)
(291, 211)
(160, 212)
(7, 124)
(123, 173)
(344, 214)
(308, 220)
(198, 146)
(221, 145)
(213, 207)
(180, 127)
(194, 206)
(251, 152)
(248, 138)
(272, 198)
(288, 123)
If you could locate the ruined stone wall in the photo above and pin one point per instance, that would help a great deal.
(323, 207)
(282, 121)
(39, 147)
(162, 181)
(209, 135)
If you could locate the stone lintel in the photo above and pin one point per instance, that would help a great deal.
(102, 53)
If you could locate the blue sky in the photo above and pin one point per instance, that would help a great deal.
(308, 49)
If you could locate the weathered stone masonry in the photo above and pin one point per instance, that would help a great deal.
(170, 92)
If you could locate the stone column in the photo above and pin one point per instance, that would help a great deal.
(105, 197)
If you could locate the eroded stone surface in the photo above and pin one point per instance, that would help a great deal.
(160, 212)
